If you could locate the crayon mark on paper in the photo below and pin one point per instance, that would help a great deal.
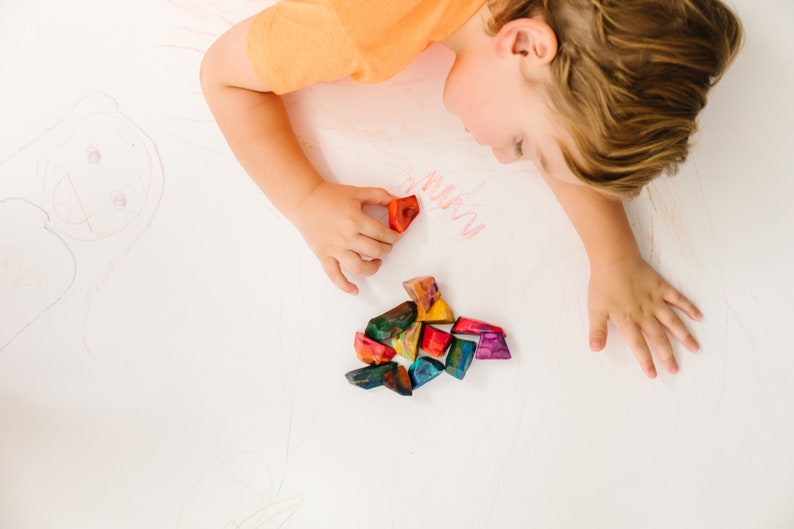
(457, 205)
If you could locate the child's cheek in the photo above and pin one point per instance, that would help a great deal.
(503, 155)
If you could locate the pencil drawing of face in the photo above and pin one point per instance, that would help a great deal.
(97, 179)
(77, 197)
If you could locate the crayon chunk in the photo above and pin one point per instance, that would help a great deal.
(370, 376)
(470, 326)
(407, 342)
(397, 380)
(402, 212)
(459, 358)
(440, 312)
(391, 322)
(423, 370)
(423, 290)
(492, 346)
(371, 352)
(435, 342)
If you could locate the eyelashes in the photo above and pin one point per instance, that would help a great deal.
(518, 149)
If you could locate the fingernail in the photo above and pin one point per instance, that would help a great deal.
(651, 372)
(673, 369)
(596, 345)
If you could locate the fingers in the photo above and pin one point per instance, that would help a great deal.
(378, 232)
(367, 237)
(334, 273)
(639, 348)
(678, 300)
(651, 335)
(646, 310)
(375, 195)
(352, 263)
(370, 248)
(342, 235)
(673, 323)
(637, 339)
(356, 265)
(372, 228)
(660, 344)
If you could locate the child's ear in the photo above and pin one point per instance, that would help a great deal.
(531, 38)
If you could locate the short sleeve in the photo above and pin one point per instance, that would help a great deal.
(297, 43)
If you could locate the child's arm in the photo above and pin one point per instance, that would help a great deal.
(623, 286)
(256, 126)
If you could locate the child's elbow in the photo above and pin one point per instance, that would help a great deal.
(226, 63)
(207, 70)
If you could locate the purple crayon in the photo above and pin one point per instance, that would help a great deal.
(492, 346)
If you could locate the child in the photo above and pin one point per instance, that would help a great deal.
(601, 95)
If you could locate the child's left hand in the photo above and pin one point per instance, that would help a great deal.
(640, 303)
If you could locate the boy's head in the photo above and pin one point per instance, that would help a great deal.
(628, 79)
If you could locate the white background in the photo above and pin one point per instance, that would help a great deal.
(174, 357)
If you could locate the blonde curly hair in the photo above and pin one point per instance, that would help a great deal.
(629, 79)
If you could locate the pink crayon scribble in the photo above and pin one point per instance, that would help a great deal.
(447, 198)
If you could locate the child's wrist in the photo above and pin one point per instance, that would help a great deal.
(615, 258)
(295, 209)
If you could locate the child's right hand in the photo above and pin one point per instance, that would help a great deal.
(332, 222)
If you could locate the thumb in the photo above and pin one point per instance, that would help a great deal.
(598, 332)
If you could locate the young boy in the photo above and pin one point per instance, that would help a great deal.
(601, 95)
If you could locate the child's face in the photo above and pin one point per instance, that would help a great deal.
(506, 112)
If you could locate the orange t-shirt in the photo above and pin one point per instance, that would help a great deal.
(296, 43)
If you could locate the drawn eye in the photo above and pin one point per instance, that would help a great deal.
(93, 154)
(119, 200)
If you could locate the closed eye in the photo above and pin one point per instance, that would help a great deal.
(518, 148)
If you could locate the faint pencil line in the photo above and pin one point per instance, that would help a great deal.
(196, 145)
(198, 31)
(720, 271)
(183, 48)
(68, 287)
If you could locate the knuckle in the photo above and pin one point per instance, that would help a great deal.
(637, 343)
(626, 318)
(368, 271)
(597, 333)
(665, 353)
(382, 250)
(368, 268)
(388, 236)
(661, 345)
